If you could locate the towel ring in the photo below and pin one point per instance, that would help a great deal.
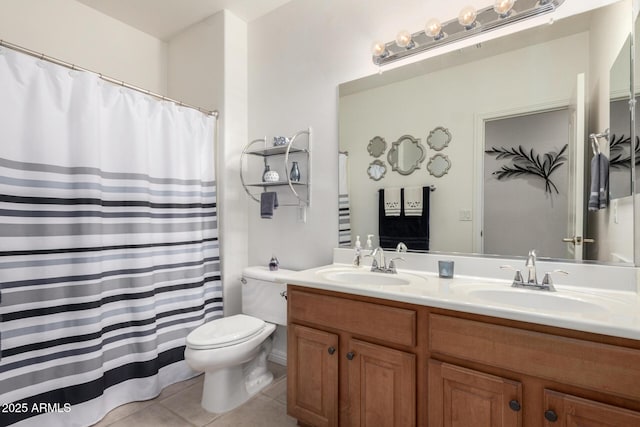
(595, 143)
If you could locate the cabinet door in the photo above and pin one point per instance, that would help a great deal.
(382, 386)
(570, 411)
(460, 397)
(312, 376)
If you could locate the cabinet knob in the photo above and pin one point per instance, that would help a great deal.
(331, 350)
(550, 415)
(350, 355)
(515, 405)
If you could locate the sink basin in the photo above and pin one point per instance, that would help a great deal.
(351, 277)
(539, 300)
(536, 299)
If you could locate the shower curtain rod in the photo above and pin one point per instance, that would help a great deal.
(44, 57)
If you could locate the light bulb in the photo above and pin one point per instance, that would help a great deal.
(433, 28)
(379, 49)
(403, 39)
(467, 17)
(503, 7)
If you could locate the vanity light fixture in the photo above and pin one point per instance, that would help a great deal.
(433, 29)
(468, 23)
(379, 50)
(503, 7)
(467, 17)
(403, 39)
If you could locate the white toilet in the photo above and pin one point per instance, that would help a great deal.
(232, 351)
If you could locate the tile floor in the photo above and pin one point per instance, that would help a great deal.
(179, 406)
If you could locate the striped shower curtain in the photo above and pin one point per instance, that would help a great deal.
(108, 242)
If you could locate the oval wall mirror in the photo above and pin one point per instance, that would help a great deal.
(376, 170)
(377, 146)
(406, 155)
(439, 138)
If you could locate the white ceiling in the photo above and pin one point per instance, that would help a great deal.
(165, 18)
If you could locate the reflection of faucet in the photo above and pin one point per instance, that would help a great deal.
(532, 278)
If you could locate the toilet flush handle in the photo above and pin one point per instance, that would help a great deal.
(283, 294)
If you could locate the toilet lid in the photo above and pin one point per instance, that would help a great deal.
(224, 332)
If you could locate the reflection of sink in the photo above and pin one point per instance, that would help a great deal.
(534, 299)
(363, 277)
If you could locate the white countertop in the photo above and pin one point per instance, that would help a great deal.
(612, 312)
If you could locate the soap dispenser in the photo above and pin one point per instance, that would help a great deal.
(369, 243)
(358, 252)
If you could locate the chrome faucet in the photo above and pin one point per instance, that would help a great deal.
(375, 265)
(532, 278)
(382, 266)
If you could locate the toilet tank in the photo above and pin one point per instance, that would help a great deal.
(262, 295)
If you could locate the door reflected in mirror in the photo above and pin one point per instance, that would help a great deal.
(515, 75)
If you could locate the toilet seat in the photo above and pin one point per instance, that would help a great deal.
(224, 332)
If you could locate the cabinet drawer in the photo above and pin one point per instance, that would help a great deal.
(390, 324)
(591, 365)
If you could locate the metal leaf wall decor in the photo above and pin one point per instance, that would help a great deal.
(618, 157)
(529, 163)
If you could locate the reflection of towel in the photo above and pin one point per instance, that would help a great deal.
(268, 202)
(599, 191)
(392, 201)
(413, 231)
(413, 201)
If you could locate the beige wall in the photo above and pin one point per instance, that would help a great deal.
(293, 80)
(208, 68)
(75, 33)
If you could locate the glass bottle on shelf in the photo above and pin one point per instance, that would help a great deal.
(294, 175)
(269, 176)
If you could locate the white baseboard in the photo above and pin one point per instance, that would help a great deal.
(279, 357)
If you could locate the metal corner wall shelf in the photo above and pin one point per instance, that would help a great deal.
(294, 148)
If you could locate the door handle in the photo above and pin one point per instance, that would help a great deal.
(578, 240)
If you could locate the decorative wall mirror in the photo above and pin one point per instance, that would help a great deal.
(439, 165)
(376, 170)
(439, 138)
(406, 155)
(377, 146)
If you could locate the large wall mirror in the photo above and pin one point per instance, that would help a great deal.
(543, 91)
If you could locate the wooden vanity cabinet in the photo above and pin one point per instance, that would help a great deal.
(551, 368)
(342, 367)
(360, 361)
(565, 410)
(460, 397)
(312, 376)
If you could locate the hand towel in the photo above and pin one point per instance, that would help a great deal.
(392, 201)
(599, 190)
(413, 201)
(268, 203)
